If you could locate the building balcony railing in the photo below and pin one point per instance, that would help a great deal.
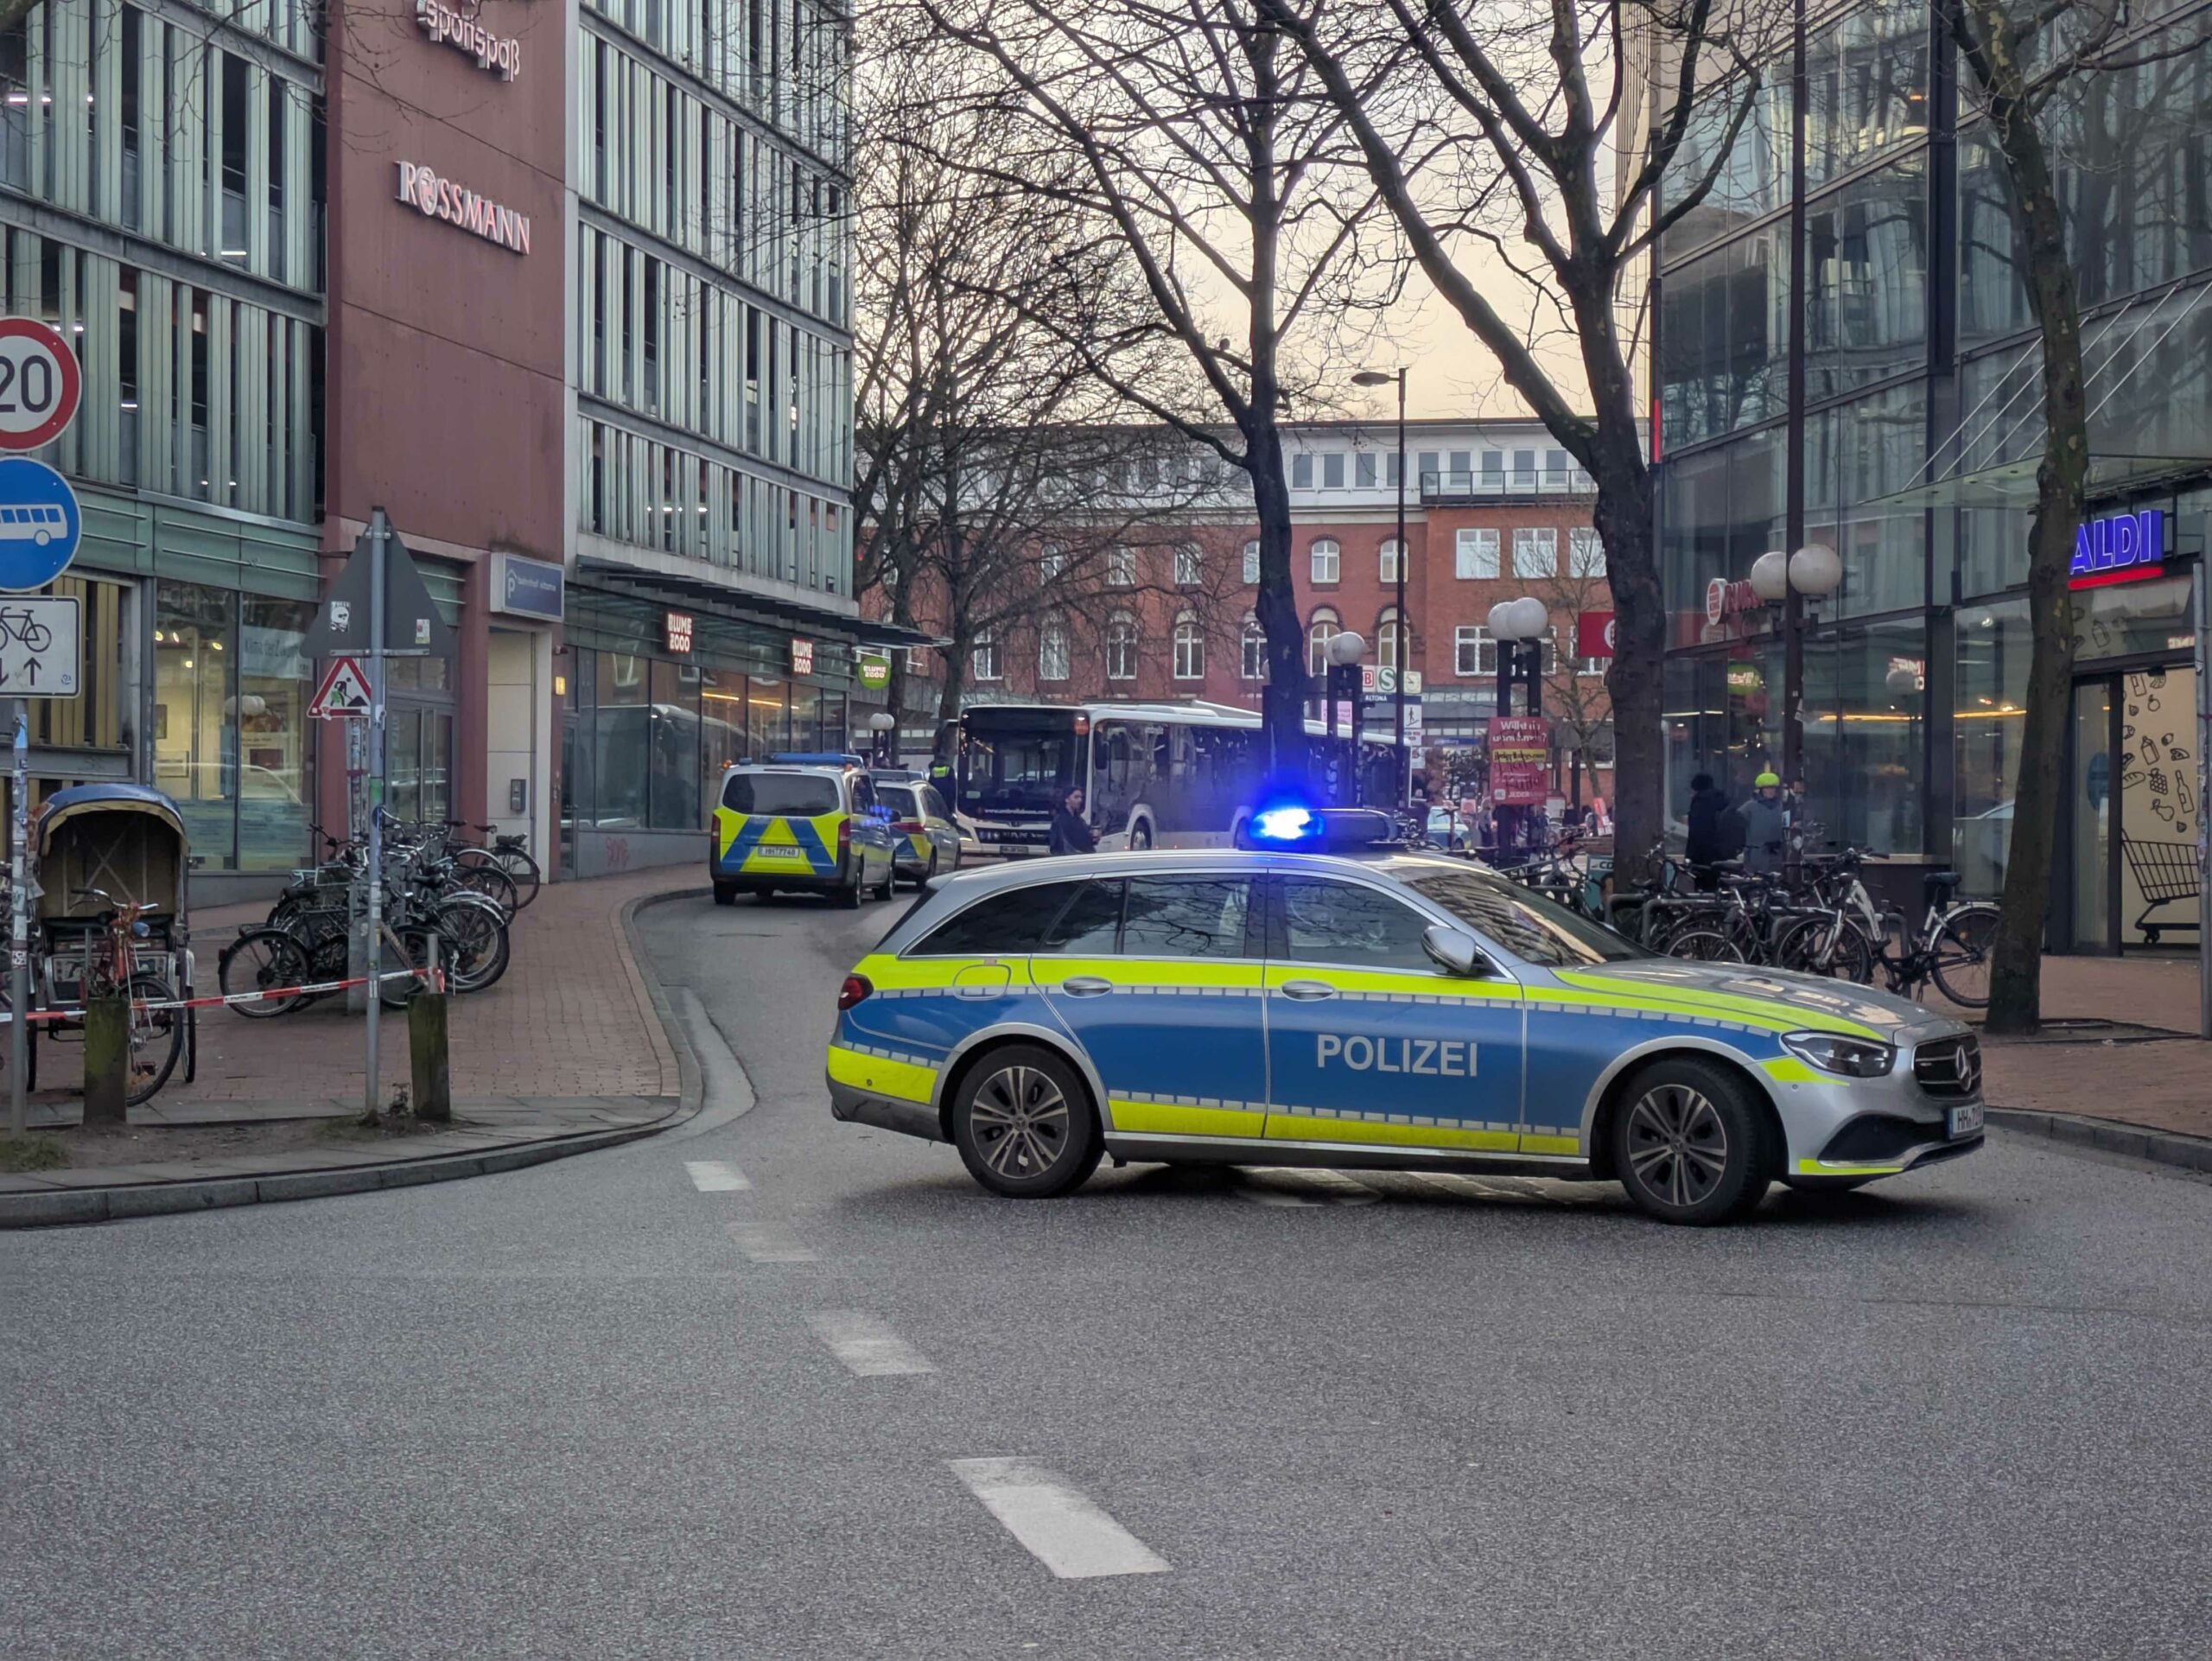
(1454, 489)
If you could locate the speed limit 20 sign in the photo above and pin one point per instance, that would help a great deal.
(39, 383)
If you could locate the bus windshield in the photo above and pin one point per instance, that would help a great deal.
(1019, 762)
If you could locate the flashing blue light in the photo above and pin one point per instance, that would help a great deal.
(1283, 824)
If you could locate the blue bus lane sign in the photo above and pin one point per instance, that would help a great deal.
(40, 525)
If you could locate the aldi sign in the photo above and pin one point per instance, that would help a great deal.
(2119, 548)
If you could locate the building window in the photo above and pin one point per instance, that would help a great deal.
(1474, 555)
(1325, 628)
(1190, 648)
(1051, 561)
(1390, 565)
(1556, 469)
(1254, 651)
(1332, 470)
(1052, 650)
(1252, 564)
(1189, 567)
(1536, 551)
(1425, 464)
(1524, 469)
(1586, 554)
(1122, 568)
(1363, 469)
(1473, 652)
(1326, 560)
(1302, 472)
(983, 660)
(1386, 640)
(1122, 647)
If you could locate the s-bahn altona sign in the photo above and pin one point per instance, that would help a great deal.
(442, 199)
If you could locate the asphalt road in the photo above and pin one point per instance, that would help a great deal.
(788, 1388)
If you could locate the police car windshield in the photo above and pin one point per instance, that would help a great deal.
(785, 795)
(1534, 929)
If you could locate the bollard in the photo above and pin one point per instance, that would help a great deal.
(426, 1050)
(107, 1059)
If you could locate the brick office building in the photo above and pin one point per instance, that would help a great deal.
(1493, 511)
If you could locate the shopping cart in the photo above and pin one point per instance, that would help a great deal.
(2164, 872)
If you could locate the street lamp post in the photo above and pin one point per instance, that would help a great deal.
(1520, 628)
(1341, 653)
(1793, 582)
(881, 724)
(1404, 779)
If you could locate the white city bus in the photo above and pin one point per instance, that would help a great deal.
(1154, 775)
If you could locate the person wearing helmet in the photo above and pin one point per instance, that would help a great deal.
(1766, 826)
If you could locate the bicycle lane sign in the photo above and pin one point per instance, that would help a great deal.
(41, 645)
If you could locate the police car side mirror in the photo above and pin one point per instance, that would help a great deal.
(1453, 951)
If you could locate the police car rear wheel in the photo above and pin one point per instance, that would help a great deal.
(1690, 1145)
(725, 894)
(1024, 1124)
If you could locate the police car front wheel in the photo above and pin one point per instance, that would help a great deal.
(1691, 1144)
(1024, 1124)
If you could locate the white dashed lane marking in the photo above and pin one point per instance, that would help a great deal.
(768, 1243)
(1294, 1185)
(1055, 1523)
(716, 1176)
(867, 1348)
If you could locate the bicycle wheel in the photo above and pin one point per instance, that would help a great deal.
(475, 944)
(260, 960)
(1958, 955)
(480, 876)
(1702, 945)
(415, 941)
(156, 1039)
(1835, 946)
(523, 869)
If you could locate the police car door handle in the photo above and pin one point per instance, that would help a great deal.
(1085, 986)
(1308, 991)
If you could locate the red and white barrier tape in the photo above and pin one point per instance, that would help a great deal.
(436, 978)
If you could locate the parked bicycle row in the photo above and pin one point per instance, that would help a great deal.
(446, 908)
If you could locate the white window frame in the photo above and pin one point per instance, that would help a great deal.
(1253, 651)
(1252, 564)
(1387, 561)
(1316, 663)
(1121, 639)
(1474, 553)
(1386, 638)
(1052, 653)
(1190, 565)
(1189, 647)
(983, 657)
(1473, 637)
(1585, 552)
(1332, 470)
(1327, 560)
(1121, 567)
(1536, 550)
(1052, 561)
(1301, 471)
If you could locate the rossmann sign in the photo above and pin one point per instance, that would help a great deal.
(2119, 548)
(442, 199)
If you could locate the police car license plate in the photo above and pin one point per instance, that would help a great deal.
(769, 851)
(1964, 1121)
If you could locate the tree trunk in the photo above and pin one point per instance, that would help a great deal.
(1637, 680)
(2062, 480)
(1282, 699)
(951, 693)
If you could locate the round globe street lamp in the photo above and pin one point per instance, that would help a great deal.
(1520, 628)
(1340, 655)
(881, 724)
(1794, 582)
(1404, 779)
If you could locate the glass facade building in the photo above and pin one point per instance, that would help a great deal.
(1843, 355)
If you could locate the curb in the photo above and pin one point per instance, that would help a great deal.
(2108, 1136)
(210, 1193)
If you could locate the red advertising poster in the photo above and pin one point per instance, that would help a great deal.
(1519, 760)
(1594, 634)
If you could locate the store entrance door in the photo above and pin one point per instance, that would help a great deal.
(2133, 811)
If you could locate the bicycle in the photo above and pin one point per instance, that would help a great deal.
(1950, 948)
(155, 1036)
(509, 854)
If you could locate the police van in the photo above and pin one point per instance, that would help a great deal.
(799, 828)
(1406, 1010)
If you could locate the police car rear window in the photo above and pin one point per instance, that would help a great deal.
(783, 795)
(900, 799)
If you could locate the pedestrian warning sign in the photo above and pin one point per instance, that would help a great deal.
(344, 692)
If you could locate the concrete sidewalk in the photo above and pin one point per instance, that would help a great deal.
(573, 1049)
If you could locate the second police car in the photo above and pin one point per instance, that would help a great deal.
(1399, 1011)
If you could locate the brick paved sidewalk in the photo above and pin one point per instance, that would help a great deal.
(2164, 1084)
(570, 1019)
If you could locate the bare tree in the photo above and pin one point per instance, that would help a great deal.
(998, 487)
(2018, 60)
(1512, 108)
(1196, 136)
(1577, 703)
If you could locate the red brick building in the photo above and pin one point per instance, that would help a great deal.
(1493, 511)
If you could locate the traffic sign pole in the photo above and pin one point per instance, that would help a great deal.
(19, 973)
(379, 535)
